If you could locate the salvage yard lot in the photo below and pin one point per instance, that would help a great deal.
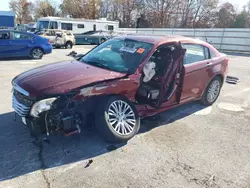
(189, 146)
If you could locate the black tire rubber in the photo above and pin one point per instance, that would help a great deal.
(204, 100)
(68, 45)
(34, 57)
(104, 127)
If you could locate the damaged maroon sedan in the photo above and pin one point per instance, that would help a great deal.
(117, 83)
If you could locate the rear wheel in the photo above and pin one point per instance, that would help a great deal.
(117, 120)
(36, 53)
(68, 45)
(212, 91)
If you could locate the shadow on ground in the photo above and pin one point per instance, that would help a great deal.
(21, 154)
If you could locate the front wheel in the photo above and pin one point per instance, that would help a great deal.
(117, 120)
(36, 53)
(212, 91)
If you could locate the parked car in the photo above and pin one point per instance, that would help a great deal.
(96, 37)
(59, 38)
(118, 82)
(23, 44)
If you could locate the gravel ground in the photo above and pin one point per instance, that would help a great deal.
(189, 146)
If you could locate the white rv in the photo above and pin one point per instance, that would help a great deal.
(77, 26)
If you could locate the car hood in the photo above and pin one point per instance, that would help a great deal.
(62, 77)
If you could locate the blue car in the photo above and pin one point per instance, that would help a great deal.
(23, 44)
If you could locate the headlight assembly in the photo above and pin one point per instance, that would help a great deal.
(41, 106)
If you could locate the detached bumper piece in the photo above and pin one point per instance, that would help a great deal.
(232, 80)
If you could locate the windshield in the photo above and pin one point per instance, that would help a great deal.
(42, 25)
(120, 55)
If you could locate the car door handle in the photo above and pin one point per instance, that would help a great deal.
(209, 64)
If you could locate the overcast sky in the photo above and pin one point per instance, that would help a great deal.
(4, 4)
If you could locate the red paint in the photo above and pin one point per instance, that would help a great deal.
(60, 78)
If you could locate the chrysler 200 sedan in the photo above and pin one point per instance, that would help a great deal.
(117, 83)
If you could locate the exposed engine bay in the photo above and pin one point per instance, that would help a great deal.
(65, 116)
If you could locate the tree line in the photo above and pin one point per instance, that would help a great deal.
(140, 13)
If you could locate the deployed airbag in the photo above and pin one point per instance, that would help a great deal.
(149, 71)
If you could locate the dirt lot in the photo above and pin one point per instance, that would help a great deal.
(190, 146)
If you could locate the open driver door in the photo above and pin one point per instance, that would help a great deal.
(172, 82)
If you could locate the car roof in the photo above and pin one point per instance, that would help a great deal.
(161, 39)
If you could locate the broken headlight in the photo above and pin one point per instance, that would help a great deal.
(41, 106)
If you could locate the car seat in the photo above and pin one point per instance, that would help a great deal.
(151, 89)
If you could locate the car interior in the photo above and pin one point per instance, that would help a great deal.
(161, 64)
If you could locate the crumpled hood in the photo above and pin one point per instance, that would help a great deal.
(62, 77)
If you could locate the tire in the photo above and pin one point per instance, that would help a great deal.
(36, 53)
(112, 126)
(212, 91)
(68, 45)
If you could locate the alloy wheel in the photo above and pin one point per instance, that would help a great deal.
(37, 53)
(213, 91)
(121, 117)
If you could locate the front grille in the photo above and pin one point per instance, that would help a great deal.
(19, 108)
(22, 98)
(21, 103)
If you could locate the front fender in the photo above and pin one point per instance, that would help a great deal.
(125, 87)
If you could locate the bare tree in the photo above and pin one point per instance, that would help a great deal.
(160, 12)
(204, 10)
(21, 9)
(226, 15)
(44, 8)
(88, 9)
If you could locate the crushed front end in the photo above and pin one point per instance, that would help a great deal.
(44, 116)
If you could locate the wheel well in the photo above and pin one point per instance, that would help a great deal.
(221, 77)
(69, 42)
(94, 101)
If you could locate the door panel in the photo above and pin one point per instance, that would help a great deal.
(21, 44)
(195, 79)
(197, 72)
(20, 47)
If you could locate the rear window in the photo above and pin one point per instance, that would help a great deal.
(194, 53)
